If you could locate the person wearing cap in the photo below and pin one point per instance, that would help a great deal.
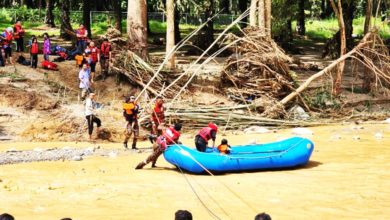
(6, 38)
(90, 114)
(157, 118)
(169, 137)
(130, 112)
(204, 135)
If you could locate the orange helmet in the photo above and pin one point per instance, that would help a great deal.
(213, 126)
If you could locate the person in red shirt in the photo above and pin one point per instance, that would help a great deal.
(82, 38)
(34, 49)
(169, 137)
(6, 39)
(204, 135)
(105, 57)
(94, 58)
(18, 36)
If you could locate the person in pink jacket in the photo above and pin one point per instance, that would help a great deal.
(46, 46)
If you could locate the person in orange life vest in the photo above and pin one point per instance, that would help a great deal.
(79, 60)
(6, 38)
(18, 36)
(105, 58)
(169, 137)
(204, 135)
(224, 147)
(157, 118)
(130, 112)
(34, 49)
(94, 58)
(82, 37)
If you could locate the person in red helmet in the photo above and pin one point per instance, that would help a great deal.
(204, 135)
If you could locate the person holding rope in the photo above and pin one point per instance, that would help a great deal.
(6, 39)
(157, 118)
(169, 137)
(130, 112)
(82, 38)
(90, 114)
(204, 135)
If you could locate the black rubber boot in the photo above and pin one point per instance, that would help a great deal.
(134, 147)
(125, 145)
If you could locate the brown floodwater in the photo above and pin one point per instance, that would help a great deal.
(346, 178)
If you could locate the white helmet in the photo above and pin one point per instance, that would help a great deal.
(10, 29)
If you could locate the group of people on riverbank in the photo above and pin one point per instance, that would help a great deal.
(160, 135)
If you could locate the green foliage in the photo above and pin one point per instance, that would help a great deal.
(323, 99)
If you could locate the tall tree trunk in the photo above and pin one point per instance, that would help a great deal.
(252, 13)
(206, 37)
(268, 17)
(349, 8)
(87, 16)
(49, 18)
(118, 15)
(242, 6)
(177, 25)
(170, 8)
(366, 86)
(137, 27)
(301, 18)
(66, 27)
(224, 5)
(338, 10)
(261, 15)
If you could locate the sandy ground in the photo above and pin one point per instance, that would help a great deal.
(346, 178)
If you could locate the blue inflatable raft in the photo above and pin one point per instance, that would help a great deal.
(291, 152)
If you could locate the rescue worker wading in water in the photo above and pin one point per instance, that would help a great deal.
(169, 137)
(204, 135)
(157, 118)
(130, 112)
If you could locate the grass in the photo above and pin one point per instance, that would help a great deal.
(326, 28)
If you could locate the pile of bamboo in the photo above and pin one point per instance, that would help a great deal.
(140, 73)
(258, 68)
(227, 117)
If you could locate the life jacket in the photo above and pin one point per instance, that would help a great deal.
(79, 59)
(8, 38)
(34, 48)
(129, 109)
(94, 52)
(205, 133)
(81, 31)
(223, 148)
(18, 31)
(49, 65)
(62, 55)
(105, 50)
(171, 135)
(158, 113)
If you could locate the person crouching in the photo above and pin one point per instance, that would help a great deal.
(169, 137)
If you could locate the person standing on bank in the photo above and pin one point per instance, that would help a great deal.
(82, 37)
(46, 46)
(105, 57)
(130, 112)
(85, 81)
(34, 50)
(90, 114)
(94, 58)
(18, 36)
(6, 39)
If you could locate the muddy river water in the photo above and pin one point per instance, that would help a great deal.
(348, 177)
